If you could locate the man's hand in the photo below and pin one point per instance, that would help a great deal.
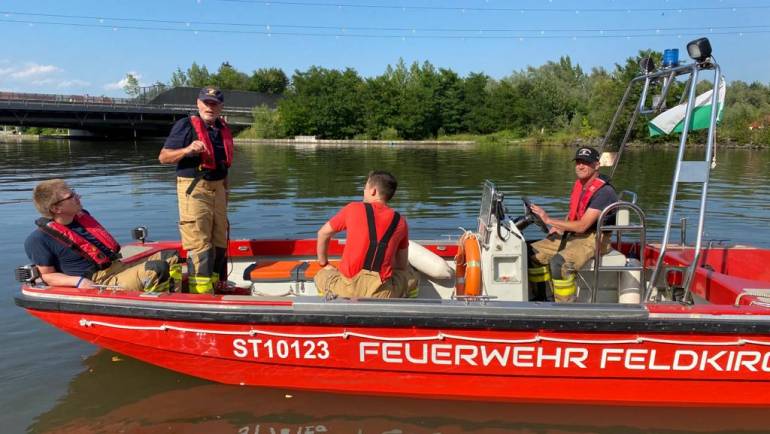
(540, 212)
(195, 148)
(87, 283)
(554, 230)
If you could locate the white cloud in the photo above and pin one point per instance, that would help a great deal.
(120, 84)
(59, 83)
(72, 83)
(30, 75)
(34, 70)
(42, 82)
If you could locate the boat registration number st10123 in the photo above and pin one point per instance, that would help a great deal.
(281, 349)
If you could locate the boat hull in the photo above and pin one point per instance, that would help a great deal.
(663, 353)
(528, 366)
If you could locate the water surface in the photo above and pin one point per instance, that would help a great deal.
(51, 382)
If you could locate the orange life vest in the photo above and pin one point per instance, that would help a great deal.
(208, 159)
(579, 199)
(102, 259)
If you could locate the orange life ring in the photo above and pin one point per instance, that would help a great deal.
(468, 266)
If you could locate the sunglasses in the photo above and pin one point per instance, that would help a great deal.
(72, 194)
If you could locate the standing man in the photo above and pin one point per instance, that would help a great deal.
(572, 242)
(71, 248)
(201, 146)
(375, 261)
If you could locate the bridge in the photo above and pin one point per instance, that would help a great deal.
(149, 115)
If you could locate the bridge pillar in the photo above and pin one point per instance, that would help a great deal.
(73, 132)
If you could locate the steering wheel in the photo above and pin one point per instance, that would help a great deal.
(531, 217)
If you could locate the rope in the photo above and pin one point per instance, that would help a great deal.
(440, 336)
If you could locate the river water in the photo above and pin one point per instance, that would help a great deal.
(53, 383)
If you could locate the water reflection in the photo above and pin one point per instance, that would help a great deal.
(116, 394)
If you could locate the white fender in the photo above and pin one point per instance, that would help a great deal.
(629, 291)
(429, 263)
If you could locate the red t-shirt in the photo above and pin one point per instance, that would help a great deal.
(352, 218)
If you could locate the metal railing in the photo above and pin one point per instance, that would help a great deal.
(88, 101)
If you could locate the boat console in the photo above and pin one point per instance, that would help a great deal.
(504, 257)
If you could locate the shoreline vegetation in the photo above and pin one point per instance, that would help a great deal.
(557, 103)
(468, 141)
(448, 141)
(554, 104)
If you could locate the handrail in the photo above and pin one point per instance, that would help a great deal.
(698, 175)
(601, 229)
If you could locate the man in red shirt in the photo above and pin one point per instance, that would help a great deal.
(375, 260)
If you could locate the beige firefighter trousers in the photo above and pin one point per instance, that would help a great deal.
(150, 275)
(579, 249)
(203, 227)
(366, 283)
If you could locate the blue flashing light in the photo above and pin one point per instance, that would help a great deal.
(670, 57)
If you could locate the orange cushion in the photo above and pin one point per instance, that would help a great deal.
(283, 271)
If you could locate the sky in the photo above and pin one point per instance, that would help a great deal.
(88, 46)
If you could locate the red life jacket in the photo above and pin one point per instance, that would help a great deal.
(578, 202)
(81, 244)
(208, 160)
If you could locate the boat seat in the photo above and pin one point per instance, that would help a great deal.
(283, 271)
(611, 258)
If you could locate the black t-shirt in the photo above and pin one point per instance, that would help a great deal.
(181, 135)
(43, 249)
(603, 198)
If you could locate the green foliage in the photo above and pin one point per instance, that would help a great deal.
(131, 87)
(179, 78)
(198, 76)
(268, 80)
(557, 102)
(267, 125)
(228, 77)
(43, 131)
(324, 103)
(389, 133)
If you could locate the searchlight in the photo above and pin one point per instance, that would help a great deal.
(699, 49)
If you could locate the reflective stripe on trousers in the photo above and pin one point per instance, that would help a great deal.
(565, 289)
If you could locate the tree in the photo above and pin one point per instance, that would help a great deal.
(450, 101)
(268, 80)
(198, 76)
(228, 77)
(179, 78)
(325, 103)
(476, 96)
(131, 86)
(266, 124)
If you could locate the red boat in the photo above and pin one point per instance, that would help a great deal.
(655, 323)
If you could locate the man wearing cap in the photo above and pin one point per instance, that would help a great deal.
(201, 146)
(572, 242)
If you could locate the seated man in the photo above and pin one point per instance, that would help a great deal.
(572, 242)
(375, 260)
(70, 248)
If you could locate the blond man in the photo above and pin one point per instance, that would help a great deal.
(70, 248)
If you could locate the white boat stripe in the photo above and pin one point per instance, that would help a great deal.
(438, 337)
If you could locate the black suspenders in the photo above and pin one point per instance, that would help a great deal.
(376, 252)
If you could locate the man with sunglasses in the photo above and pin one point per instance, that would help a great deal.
(71, 248)
(572, 241)
(201, 146)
